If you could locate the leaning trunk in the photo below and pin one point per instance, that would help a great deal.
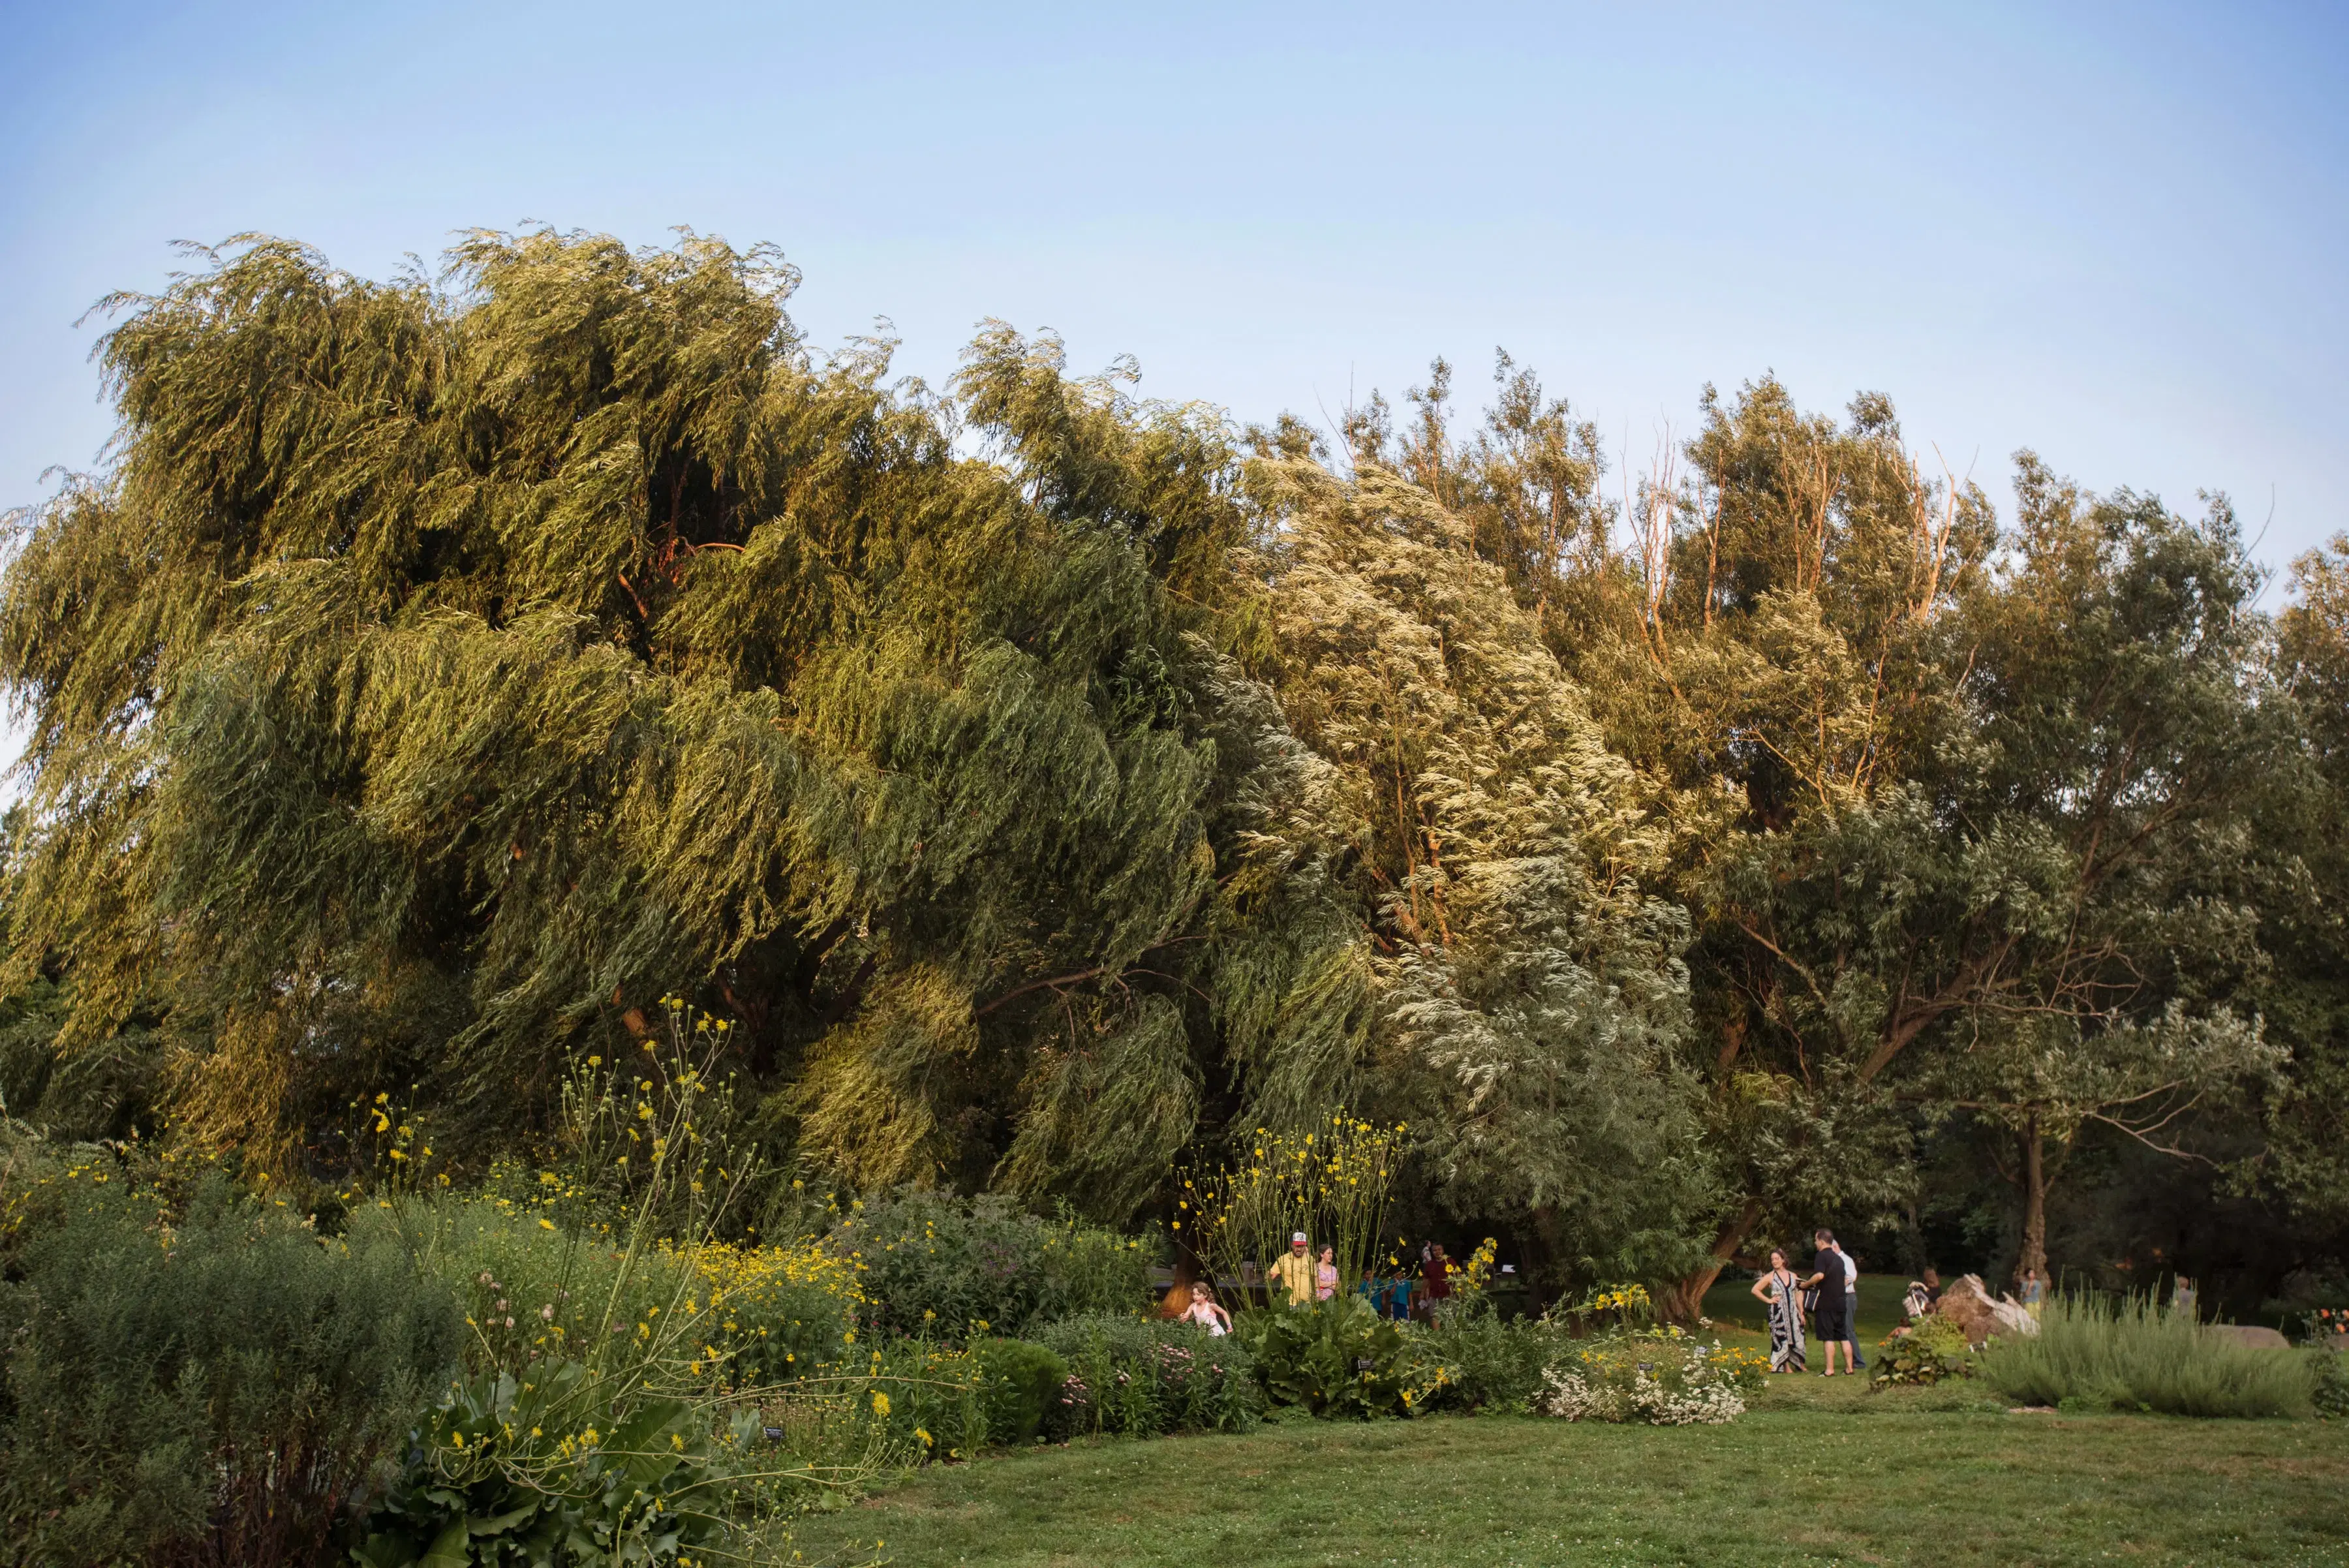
(1682, 1298)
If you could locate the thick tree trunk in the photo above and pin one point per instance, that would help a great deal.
(1682, 1298)
(2034, 1201)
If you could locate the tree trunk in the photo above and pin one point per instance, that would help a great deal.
(1682, 1298)
(2034, 1201)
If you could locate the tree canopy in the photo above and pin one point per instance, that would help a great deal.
(1052, 784)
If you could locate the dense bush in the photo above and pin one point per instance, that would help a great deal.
(543, 1288)
(217, 1386)
(2135, 1356)
(1141, 1377)
(1018, 1384)
(1662, 1376)
(1337, 1358)
(2331, 1397)
(932, 1263)
(1479, 1362)
(564, 1468)
(1932, 1348)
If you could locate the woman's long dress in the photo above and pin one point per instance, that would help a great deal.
(1786, 1324)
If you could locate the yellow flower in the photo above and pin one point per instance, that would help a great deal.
(880, 1403)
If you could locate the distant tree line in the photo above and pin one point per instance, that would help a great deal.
(1057, 786)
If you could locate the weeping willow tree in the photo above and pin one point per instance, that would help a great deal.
(444, 669)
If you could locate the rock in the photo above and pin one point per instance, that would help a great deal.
(1964, 1302)
(2252, 1335)
(1969, 1306)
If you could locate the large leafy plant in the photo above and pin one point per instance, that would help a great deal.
(561, 1471)
(1338, 1358)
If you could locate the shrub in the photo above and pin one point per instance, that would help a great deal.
(542, 1289)
(220, 1389)
(932, 1264)
(1141, 1377)
(2330, 1397)
(1659, 1376)
(564, 1467)
(1929, 1350)
(1018, 1382)
(1337, 1358)
(1477, 1362)
(2135, 1356)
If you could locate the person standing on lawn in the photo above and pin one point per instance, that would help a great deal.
(2035, 1292)
(1852, 1304)
(1325, 1275)
(1782, 1293)
(1294, 1273)
(1832, 1321)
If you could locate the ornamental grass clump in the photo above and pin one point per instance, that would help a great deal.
(2135, 1354)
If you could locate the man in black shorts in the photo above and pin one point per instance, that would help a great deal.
(1832, 1321)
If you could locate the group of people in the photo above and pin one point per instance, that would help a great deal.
(1301, 1277)
(1828, 1296)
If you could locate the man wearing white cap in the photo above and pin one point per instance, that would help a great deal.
(1294, 1271)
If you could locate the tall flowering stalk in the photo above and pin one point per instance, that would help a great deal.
(1334, 1182)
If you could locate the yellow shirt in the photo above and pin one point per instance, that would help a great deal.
(1295, 1270)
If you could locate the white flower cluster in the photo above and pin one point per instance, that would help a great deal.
(1707, 1403)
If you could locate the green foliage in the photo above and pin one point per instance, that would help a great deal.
(2330, 1398)
(1338, 1359)
(213, 1386)
(1932, 1348)
(2135, 1356)
(442, 677)
(1332, 1183)
(932, 1264)
(1476, 1361)
(1019, 1384)
(1143, 1377)
(552, 1473)
(439, 674)
(1528, 981)
(1660, 1377)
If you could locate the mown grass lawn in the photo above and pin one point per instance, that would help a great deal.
(1817, 1473)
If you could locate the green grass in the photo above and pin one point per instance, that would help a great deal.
(1819, 1472)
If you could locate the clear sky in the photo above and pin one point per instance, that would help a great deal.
(2116, 235)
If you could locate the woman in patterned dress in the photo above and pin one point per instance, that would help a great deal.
(1783, 1293)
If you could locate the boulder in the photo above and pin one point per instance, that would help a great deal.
(1963, 1302)
(1966, 1303)
(2252, 1335)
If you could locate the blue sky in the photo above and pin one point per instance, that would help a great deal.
(2113, 234)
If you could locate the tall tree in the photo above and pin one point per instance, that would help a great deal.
(1530, 997)
(441, 671)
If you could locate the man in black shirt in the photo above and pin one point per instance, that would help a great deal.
(1832, 1319)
